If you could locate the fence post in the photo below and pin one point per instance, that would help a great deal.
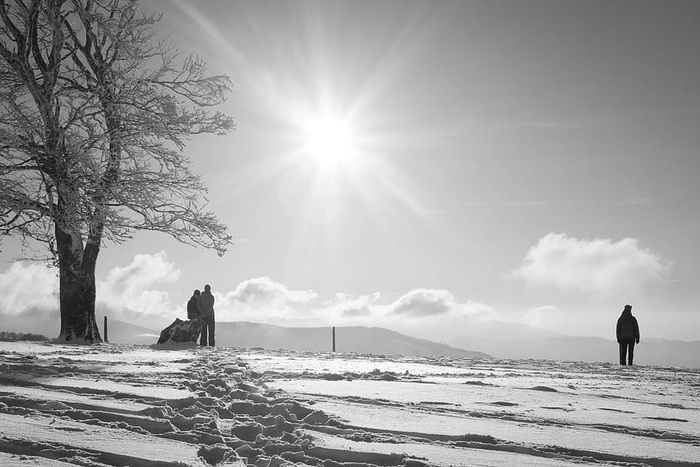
(106, 337)
(333, 338)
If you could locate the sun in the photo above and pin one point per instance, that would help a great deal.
(329, 140)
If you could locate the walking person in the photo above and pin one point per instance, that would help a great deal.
(627, 335)
(205, 304)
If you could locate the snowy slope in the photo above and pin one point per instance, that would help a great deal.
(117, 405)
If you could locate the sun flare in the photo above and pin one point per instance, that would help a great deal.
(329, 140)
(338, 158)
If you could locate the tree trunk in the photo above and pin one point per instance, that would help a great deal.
(77, 291)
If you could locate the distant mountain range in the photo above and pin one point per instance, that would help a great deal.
(488, 339)
(589, 349)
(355, 339)
(519, 341)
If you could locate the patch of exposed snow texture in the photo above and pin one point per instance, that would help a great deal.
(182, 405)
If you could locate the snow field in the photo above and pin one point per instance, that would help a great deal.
(118, 405)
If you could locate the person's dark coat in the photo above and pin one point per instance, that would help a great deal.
(206, 312)
(627, 327)
(205, 304)
(192, 308)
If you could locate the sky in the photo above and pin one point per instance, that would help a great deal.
(429, 166)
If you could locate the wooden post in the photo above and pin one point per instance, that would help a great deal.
(106, 337)
(333, 338)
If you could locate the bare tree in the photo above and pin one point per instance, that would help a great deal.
(94, 117)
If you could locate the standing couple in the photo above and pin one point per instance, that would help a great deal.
(201, 306)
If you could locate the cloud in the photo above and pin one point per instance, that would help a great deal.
(264, 300)
(30, 295)
(133, 287)
(265, 290)
(423, 302)
(415, 304)
(598, 265)
(419, 303)
(28, 286)
(348, 307)
(261, 297)
(427, 313)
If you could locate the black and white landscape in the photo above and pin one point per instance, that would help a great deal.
(411, 228)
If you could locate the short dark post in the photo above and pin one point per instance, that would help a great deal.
(106, 338)
(333, 338)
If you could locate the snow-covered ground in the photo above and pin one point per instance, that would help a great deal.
(124, 405)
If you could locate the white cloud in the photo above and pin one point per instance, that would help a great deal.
(427, 313)
(416, 304)
(265, 290)
(30, 301)
(433, 314)
(134, 287)
(28, 286)
(345, 306)
(419, 303)
(598, 265)
(423, 302)
(264, 300)
(261, 297)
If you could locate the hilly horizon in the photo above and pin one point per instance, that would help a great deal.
(512, 341)
(520, 341)
(353, 339)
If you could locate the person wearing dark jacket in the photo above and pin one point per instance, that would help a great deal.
(205, 304)
(192, 310)
(627, 335)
